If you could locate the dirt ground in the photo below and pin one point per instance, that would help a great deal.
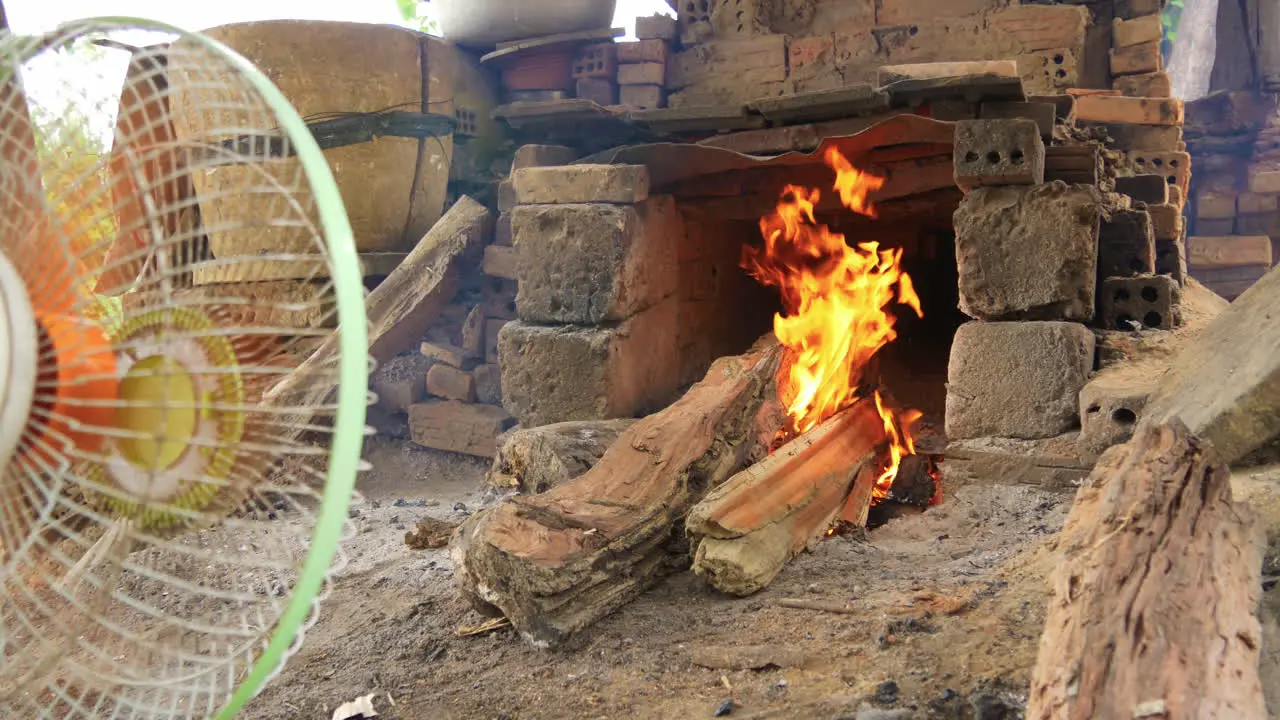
(945, 610)
(944, 614)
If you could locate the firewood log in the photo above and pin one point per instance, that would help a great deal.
(557, 562)
(1152, 612)
(746, 530)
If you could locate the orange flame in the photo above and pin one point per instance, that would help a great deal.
(834, 300)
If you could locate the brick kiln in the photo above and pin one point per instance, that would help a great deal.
(1030, 181)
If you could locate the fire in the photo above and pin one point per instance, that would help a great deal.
(835, 299)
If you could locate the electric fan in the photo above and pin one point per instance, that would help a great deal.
(183, 374)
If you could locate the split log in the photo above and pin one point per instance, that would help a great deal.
(557, 562)
(746, 530)
(1152, 613)
(538, 459)
(400, 310)
(1225, 383)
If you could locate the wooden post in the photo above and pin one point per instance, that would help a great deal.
(1152, 612)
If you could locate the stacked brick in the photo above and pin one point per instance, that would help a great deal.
(597, 314)
(1235, 213)
(451, 389)
(1026, 252)
(642, 64)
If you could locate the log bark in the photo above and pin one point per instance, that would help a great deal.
(557, 562)
(400, 310)
(746, 530)
(538, 459)
(1152, 613)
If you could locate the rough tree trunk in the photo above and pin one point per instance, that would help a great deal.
(555, 563)
(1152, 613)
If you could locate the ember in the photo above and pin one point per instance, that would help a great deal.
(835, 317)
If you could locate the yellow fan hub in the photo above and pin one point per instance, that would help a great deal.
(160, 411)
(178, 419)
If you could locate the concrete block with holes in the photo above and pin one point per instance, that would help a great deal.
(1126, 244)
(998, 152)
(1110, 406)
(1151, 302)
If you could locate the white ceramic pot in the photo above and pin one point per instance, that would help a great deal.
(484, 23)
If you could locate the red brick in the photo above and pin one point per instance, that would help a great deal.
(648, 73)
(641, 51)
(642, 96)
(451, 383)
(596, 61)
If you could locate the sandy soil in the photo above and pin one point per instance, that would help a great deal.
(944, 611)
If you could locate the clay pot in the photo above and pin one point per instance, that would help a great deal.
(484, 23)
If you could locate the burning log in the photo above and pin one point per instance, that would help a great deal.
(1153, 606)
(746, 530)
(555, 563)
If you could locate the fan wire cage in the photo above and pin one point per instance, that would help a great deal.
(177, 487)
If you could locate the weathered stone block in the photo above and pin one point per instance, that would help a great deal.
(1110, 406)
(592, 264)
(555, 374)
(488, 381)
(542, 156)
(1016, 379)
(1028, 252)
(400, 382)
(458, 427)
(1149, 189)
(1152, 301)
(451, 383)
(622, 184)
(998, 152)
(1126, 244)
(500, 261)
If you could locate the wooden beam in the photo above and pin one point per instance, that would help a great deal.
(1225, 384)
(557, 562)
(1152, 612)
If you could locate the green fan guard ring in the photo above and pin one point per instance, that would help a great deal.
(348, 429)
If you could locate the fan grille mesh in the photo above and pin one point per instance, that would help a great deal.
(151, 183)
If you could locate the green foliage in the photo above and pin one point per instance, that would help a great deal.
(73, 169)
(409, 11)
(1169, 18)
